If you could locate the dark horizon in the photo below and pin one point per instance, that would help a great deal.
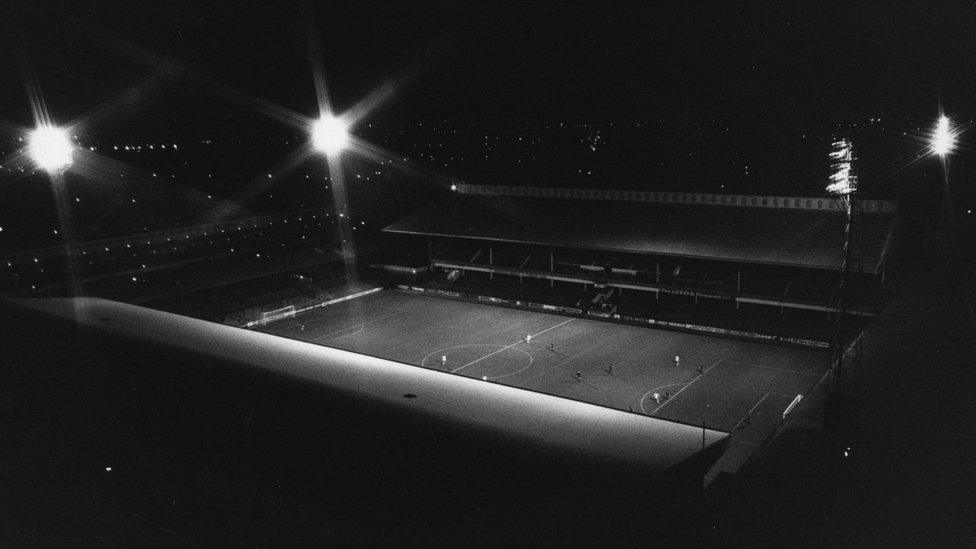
(727, 100)
(472, 65)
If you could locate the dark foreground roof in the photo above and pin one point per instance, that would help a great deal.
(139, 424)
(788, 237)
(650, 445)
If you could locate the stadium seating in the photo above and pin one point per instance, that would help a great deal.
(148, 266)
(789, 302)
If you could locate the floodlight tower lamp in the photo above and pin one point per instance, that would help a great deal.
(50, 148)
(943, 140)
(842, 181)
(840, 188)
(842, 154)
(330, 135)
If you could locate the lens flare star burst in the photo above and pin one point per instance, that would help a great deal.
(943, 139)
(330, 135)
(50, 148)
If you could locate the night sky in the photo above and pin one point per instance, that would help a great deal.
(720, 98)
(468, 63)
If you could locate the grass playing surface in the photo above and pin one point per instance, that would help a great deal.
(620, 366)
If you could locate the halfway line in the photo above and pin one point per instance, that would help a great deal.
(510, 346)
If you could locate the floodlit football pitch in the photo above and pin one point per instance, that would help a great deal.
(735, 386)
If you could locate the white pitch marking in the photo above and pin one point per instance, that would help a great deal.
(510, 346)
(751, 410)
(701, 375)
(423, 361)
(445, 350)
(524, 368)
(643, 398)
(356, 327)
(756, 405)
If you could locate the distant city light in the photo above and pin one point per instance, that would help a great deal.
(943, 140)
(329, 135)
(50, 148)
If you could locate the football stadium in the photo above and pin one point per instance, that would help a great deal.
(445, 275)
(669, 344)
(653, 314)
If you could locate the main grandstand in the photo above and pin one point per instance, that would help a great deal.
(759, 267)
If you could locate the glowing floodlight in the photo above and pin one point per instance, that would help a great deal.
(943, 140)
(842, 174)
(329, 135)
(840, 187)
(841, 153)
(842, 180)
(50, 148)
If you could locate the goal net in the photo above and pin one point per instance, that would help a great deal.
(277, 314)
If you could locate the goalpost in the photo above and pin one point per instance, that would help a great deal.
(277, 314)
(792, 405)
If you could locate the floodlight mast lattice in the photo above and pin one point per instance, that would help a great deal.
(842, 182)
(942, 143)
(52, 150)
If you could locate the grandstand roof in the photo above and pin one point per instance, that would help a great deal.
(763, 235)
